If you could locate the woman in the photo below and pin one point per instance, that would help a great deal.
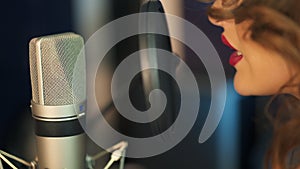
(266, 37)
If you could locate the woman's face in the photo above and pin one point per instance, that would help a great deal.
(259, 71)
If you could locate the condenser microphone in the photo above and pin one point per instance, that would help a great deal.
(57, 71)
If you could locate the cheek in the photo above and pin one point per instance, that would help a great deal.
(261, 71)
(260, 76)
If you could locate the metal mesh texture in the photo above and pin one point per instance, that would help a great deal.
(57, 69)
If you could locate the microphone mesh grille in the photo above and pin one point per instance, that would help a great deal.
(57, 69)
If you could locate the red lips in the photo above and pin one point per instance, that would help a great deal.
(225, 41)
(235, 57)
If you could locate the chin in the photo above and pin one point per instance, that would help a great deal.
(242, 88)
(247, 89)
(242, 92)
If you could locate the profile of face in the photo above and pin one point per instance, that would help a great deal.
(259, 70)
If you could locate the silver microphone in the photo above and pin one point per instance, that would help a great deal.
(57, 71)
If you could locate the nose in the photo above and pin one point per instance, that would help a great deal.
(217, 4)
(215, 21)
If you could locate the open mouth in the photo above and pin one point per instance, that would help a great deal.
(236, 56)
(226, 42)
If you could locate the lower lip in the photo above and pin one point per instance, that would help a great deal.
(235, 58)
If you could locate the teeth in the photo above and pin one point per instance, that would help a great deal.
(239, 53)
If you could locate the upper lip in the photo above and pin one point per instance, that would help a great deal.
(226, 42)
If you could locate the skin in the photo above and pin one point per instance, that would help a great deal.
(261, 71)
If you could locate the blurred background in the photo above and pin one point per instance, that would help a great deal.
(239, 141)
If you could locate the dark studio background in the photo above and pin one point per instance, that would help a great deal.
(23, 20)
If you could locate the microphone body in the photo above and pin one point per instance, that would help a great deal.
(57, 71)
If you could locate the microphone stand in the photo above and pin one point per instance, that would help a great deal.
(3, 155)
(118, 153)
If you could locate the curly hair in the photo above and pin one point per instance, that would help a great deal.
(275, 24)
